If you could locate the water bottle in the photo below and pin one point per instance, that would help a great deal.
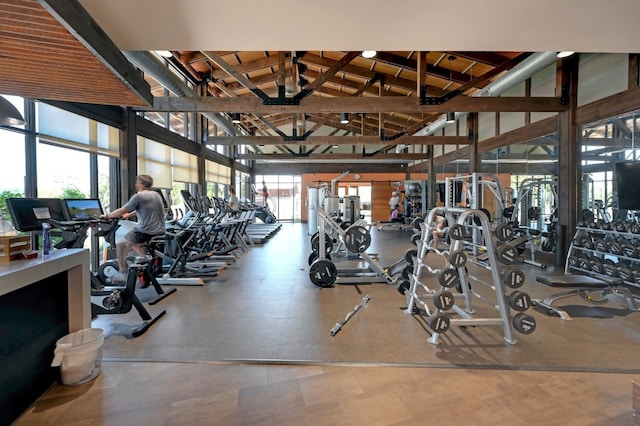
(46, 237)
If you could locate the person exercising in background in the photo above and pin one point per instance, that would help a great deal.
(394, 201)
(265, 193)
(147, 205)
(234, 203)
(438, 232)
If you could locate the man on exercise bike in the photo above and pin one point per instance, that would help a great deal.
(147, 205)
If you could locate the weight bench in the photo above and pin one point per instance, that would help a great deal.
(584, 286)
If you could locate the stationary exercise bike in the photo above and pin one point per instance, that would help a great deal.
(107, 298)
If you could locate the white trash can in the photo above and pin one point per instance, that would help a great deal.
(79, 356)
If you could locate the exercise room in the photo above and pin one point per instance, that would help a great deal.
(231, 232)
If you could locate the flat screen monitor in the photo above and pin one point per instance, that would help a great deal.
(627, 178)
(83, 208)
(29, 214)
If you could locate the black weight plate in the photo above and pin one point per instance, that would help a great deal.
(597, 267)
(600, 244)
(403, 286)
(443, 300)
(615, 247)
(519, 301)
(610, 270)
(507, 254)
(584, 264)
(409, 255)
(625, 274)
(323, 273)
(629, 250)
(456, 232)
(415, 238)
(448, 278)
(476, 218)
(406, 271)
(315, 243)
(513, 278)
(588, 243)
(504, 232)
(524, 323)
(439, 323)
(357, 239)
(458, 259)
(312, 258)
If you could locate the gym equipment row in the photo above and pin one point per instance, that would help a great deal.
(356, 239)
(469, 231)
(600, 262)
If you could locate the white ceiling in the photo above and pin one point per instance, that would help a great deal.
(342, 25)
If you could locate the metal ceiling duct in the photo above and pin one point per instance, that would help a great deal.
(159, 71)
(525, 69)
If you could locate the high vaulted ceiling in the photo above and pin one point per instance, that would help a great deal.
(432, 59)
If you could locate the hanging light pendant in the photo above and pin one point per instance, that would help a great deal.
(344, 118)
(9, 114)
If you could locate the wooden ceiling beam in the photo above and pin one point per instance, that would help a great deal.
(332, 156)
(338, 140)
(360, 104)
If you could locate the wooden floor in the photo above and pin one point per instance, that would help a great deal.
(252, 347)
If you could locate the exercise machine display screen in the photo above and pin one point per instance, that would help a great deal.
(83, 209)
(28, 214)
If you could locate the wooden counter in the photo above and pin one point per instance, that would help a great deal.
(41, 300)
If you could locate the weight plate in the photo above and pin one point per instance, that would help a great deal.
(588, 243)
(415, 238)
(357, 239)
(315, 243)
(443, 300)
(403, 286)
(448, 278)
(313, 256)
(458, 259)
(477, 219)
(519, 301)
(600, 244)
(629, 250)
(584, 264)
(610, 270)
(507, 254)
(323, 273)
(504, 232)
(524, 323)
(625, 274)
(439, 323)
(596, 266)
(615, 247)
(456, 232)
(513, 278)
(406, 271)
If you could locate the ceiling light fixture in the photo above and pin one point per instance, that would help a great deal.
(369, 54)
(344, 118)
(164, 53)
(451, 117)
(235, 118)
(9, 114)
(564, 54)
